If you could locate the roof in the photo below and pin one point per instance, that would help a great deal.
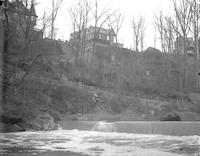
(32, 10)
(152, 50)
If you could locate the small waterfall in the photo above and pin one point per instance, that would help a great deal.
(104, 126)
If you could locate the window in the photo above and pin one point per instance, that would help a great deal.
(15, 15)
(147, 72)
(32, 18)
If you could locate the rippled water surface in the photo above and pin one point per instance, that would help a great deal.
(79, 143)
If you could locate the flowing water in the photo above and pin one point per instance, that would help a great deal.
(82, 138)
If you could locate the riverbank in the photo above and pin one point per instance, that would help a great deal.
(114, 107)
(37, 100)
(43, 109)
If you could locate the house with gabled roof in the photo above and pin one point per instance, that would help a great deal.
(22, 21)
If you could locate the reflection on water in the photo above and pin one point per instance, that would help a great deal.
(139, 127)
(68, 142)
(104, 126)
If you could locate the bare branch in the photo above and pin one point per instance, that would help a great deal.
(55, 7)
(138, 27)
(115, 23)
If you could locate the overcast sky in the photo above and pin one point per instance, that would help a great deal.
(130, 8)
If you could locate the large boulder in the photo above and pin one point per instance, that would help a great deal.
(195, 98)
(171, 117)
(43, 122)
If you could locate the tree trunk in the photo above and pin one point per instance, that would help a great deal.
(5, 59)
(185, 63)
(196, 61)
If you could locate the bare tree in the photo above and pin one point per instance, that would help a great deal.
(165, 29)
(80, 16)
(183, 11)
(194, 29)
(168, 36)
(100, 16)
(45, 22)
(25, 22)
(56, 4)
(155, 35)
(115, 23)
(142, 35)
(168, 44)
(138, 27)
(5, 58)
(159, 23)
(195, 22)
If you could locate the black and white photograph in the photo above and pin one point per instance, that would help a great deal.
(99, 77)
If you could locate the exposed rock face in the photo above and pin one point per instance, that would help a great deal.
(41, 122)
(104, 127)
(195, 98)
(12, 128)
(11, 119)
(11, 124)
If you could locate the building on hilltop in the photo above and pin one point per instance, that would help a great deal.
(101, 37)
(22, 22)
(179, 46)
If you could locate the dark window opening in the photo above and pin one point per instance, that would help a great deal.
(1, 2)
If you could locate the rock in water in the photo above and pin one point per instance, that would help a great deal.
(171, 117)
(104, 127)
(44, 122)
(195, 98)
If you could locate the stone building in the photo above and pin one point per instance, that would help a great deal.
(179, 46)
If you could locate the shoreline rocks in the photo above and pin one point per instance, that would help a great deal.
(42, 122)
(195, 98)
(171, 117)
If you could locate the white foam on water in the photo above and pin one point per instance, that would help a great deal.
(98, 143)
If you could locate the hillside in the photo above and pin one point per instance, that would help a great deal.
(114, 107)
(44, 89)
(47, 98)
